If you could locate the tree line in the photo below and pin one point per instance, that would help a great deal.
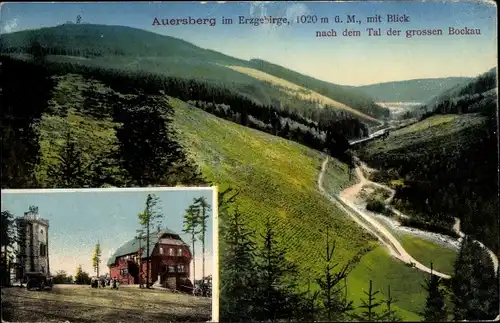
(145, 119)
(212, 94)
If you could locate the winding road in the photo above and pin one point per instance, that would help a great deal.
(345, 203)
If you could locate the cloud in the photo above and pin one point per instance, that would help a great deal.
(296, 9)
(10, 26)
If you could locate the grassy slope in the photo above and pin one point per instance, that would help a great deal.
(300, 91)
(419, 90)
(436, 132)
(426, 251)
(282, 184)
(276, 177)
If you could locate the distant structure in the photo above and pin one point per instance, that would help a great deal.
(169, 257)
(33, 251)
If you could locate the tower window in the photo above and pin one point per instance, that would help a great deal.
(43, 250)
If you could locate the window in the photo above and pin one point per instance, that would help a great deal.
(179, 252)
(161, 250)
(43, 250)
(123, 271)
(171, 269)
(171, 251)
(42, 269)
(41, 231)
(180, 268)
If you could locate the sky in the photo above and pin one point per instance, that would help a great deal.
(342, 60)
(78, 220)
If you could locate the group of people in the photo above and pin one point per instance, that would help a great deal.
(103, 282)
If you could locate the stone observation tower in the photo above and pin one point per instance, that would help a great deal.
(33, 249)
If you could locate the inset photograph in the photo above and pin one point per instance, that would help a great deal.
(108, 255)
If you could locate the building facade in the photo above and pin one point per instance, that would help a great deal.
(169, 258)
(33, 243)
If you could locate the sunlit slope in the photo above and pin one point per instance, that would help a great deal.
(301, 92)
(277, 178)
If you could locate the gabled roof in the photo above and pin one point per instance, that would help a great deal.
(132, 246)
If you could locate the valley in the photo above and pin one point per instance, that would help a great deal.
(302, 154)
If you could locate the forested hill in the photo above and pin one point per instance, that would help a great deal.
(417, 90)
(126, 47)
(447, 164)
(351, 97)
(477, 95)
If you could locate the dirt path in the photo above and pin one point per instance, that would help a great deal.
(350, 195)
(370, 224)
(365, 182)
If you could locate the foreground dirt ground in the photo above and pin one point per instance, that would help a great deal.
(80, 303)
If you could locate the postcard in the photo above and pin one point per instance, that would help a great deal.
(353, 146)
(109, 255)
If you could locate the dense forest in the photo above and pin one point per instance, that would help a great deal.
(143, 127)
(454, 172)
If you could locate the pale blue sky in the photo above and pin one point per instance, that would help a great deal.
(343, 60)
(78, 220)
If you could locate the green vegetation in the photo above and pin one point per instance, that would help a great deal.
(439, 161)
(447, 162)
(474, 284)
(139, 50)
(406, 283)
(339, 93)
(427, 252)
(418, 90)
(282, 184)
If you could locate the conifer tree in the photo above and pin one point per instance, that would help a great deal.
(148, 220)
(191, 227)
(390, 315)
(369, 314)
(435, 306)
(237, 270)
(276, 294)
(474, 284)
(96, 258)
(71, 170)
(334, 305)
(203, 207)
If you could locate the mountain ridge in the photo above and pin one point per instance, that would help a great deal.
(94, 42)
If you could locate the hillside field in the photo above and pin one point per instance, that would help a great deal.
(282, 183)
(301, 92)
(275, 178)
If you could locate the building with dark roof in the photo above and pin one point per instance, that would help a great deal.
(169, 257)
